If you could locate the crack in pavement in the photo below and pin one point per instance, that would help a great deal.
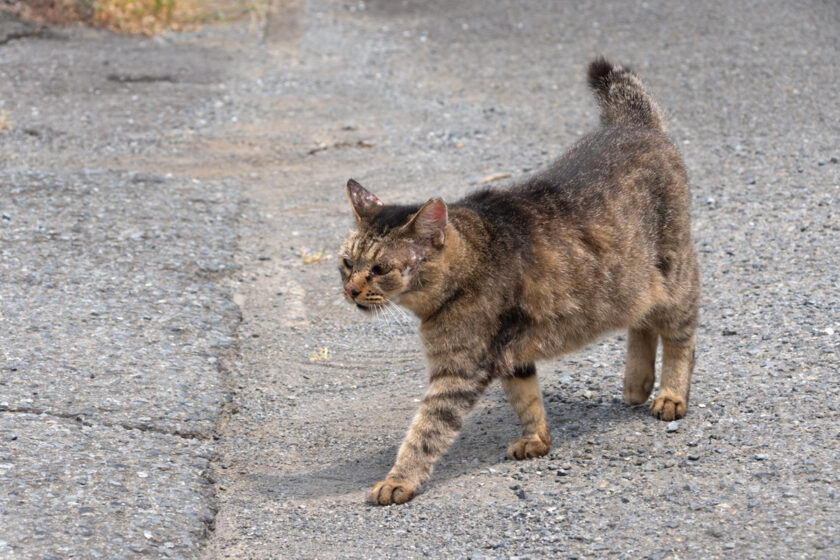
(17, 35)
(83, 421)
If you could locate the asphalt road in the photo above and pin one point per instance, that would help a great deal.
(177, 380)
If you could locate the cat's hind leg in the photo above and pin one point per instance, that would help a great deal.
(677, 329)
(523, 392)
(641, 361)
(671, 401)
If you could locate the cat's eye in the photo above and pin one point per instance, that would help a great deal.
(381, 269)
(348, 263)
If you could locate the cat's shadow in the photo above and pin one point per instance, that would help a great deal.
(481, 444)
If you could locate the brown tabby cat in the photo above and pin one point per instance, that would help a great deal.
(597, 242)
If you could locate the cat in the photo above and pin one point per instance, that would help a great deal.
(597, 242)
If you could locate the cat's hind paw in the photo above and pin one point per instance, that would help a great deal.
(390, 491)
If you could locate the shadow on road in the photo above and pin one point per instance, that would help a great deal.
(481, 444)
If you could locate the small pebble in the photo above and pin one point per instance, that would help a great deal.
(715, 532)
(673, 426)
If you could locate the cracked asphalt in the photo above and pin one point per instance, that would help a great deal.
(112, 318)
(176, 380)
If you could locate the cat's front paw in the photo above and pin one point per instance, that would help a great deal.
(391, 491)
(668, 406)
(528, 448)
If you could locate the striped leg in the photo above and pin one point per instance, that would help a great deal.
(523, 392)
(451, 396)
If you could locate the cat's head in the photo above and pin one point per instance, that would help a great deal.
(394, 251)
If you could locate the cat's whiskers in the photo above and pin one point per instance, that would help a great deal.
(404, 320)
(392, 318)
(399, 311)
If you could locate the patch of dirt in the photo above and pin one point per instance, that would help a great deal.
(56, 12)
(139, 17)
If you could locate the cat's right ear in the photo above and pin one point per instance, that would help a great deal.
(364, 202)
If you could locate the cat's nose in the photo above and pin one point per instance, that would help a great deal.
(351, 291)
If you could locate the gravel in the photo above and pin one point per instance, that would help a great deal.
(71, 490)
(261, 438)
(107, 299)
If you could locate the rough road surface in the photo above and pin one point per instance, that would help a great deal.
(176, 380)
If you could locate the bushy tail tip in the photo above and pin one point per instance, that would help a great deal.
(622, 97)
(599, 69)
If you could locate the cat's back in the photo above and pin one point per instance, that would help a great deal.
(605, 166)
(628, 170)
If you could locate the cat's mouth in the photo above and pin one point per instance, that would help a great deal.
(368, 307)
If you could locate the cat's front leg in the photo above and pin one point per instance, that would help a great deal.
(523, 392)
(451, 395)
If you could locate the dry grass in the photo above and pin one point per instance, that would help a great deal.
(140, 17)
(4, 121)
(313, 257)
(149, 17)
(320, 355)
(495, 177)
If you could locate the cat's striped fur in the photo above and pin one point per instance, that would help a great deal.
(599, 241)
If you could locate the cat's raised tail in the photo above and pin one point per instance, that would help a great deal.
(622, 97)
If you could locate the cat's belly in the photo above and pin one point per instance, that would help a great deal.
(546, 345)
(549, 339)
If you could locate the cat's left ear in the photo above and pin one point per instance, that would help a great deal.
(429, 223)
(364, 202)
